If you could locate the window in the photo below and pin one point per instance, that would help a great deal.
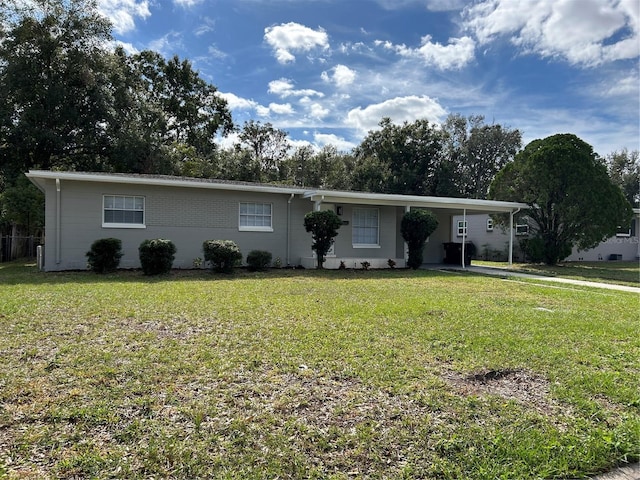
(627, 232)
(256, 217)
(122, 211)
(462, 228)
(489, 225)
(522, 229)
(366, 227)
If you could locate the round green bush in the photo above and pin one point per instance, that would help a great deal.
(105, 255)
(156, 256)
(223, 254)
(258, 260)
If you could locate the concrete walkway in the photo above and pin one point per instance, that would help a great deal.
(630, 472)
(505, 272)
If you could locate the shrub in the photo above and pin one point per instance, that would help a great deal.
(223, 254)
(156, 256)
(416, 226)
(105, 255)
(258, 260)
(323, 226)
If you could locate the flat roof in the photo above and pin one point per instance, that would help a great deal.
(456, 205)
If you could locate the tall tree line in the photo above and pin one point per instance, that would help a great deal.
(70, 101)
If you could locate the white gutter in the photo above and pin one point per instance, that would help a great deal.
(58, 223)
(160, 181)
(289, 228)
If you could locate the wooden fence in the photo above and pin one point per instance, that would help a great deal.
(12, 248)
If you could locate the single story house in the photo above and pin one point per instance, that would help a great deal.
(81, 207)
(492, 242)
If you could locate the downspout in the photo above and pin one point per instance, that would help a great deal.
(58, 222)
(289, 227)
(407, 209)
(464, 234)
(511, 236)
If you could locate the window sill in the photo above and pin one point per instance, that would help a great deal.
(364, 245)
(123, 225)
(255, 229)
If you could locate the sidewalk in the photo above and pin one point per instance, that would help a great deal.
(630, 472)
(505, 272)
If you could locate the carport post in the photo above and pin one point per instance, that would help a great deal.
(511, 236)
(464, 233)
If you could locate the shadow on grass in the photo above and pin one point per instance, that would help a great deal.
(26, 272)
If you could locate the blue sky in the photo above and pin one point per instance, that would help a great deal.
(327, 71)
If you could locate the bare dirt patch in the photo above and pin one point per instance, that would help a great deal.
(519, 385)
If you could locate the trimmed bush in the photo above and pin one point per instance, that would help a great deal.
(156, 256)
(416, 226)
(224, 255)
(105, 255)
(258, 260)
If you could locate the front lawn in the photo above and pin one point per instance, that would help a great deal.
(307, 374)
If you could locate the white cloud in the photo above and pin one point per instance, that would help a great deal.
(342, 76)
(168, 44)
(293, 37)
(317, 111)
(187, 3)
(122, 13)
(399, 109)
(206, 27)
(281, 108)
(238, 103)
(586, 32)
(456, 54)
(342, 145)
(284, 88)
(215, 52)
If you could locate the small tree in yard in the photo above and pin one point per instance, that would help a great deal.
(324, 227)
(416, 227)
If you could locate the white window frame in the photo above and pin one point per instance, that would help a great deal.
(255, 228)
(522, 229)
(623, 234)
(106, 224)
(489, 224)
(462, 228)
(355, 225)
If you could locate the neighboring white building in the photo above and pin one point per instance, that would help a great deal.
(491, 241)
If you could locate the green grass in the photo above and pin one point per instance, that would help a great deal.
(623, 273)
(335, 374)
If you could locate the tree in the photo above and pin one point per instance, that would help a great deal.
(473, 154)
(162, 107)
(54, 88)
(22, 208)
(268, 146)
(416, 226)
(323, 226)
(624, 170)
(572, 201)
(408, 152)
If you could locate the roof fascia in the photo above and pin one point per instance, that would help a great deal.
(413, 201)
(36, 175)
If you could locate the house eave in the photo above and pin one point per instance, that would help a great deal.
(36, 176)
(447, 203)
